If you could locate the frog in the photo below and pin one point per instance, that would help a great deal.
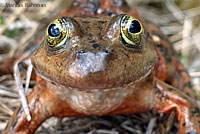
(102, 58)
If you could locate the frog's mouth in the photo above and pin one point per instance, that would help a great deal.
(131, 83)
(121, 86)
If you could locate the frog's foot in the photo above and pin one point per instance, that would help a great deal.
(187, 113)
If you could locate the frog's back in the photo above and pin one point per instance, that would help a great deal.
(168, 67)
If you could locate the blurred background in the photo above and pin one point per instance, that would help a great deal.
(22, 27)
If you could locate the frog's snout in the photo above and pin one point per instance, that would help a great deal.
(88, 62)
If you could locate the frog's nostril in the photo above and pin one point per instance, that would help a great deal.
(95, 45)
(80, 51)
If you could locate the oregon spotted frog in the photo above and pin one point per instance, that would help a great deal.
(103, 59)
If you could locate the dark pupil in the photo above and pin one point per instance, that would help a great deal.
(53, 30)
(135, 27)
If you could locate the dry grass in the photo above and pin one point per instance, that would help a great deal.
(20, 29)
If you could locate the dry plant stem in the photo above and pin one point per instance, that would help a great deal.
(7, 40)
(176, 37)
(178, 45)
(12, 17)
(25, 39)
(7, 93)
(2, 125)
(1, 10)
(6, 109)
(170, 120)
(196, 40)
(20, 85)
(195, 74)
(51, 6)
(189, 13)
(18, 79)
(151, 126)
(125, 126)
(28, 73)
(187, 28)
(173, 8)
(102, 131)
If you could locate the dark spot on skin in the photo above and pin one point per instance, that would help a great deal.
(118, 2)
(188, 94)
(92, 7)
(86, 22)
(188, 84)
(183, 124)
(100, 27)
(80, 51)
(53, 83)
(90, 35)
(100, 36)
(101, 21)
(183, 71)
(170, 89)
(109, 13)
(107, 51)
(89, 38)
(122, 39)
(196, 112)
(80, 15)
(164, 52)
(95, 45)
(91, 41)
(199, 123)
(94, 17)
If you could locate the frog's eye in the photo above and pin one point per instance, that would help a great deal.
(131, 31)
(57, 34)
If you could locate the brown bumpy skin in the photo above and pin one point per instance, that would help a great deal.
(97, 75)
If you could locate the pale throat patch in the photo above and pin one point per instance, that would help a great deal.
(93, 103)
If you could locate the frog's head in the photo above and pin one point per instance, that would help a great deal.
(95, 53)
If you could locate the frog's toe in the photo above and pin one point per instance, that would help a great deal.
(189, 122)
(187, 112)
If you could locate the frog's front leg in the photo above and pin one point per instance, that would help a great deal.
(43, 103)
(188, 113)
(38, 106)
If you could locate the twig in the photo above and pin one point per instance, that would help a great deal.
(12, 17)
(195, 74)
(20, 86)
(150, 126)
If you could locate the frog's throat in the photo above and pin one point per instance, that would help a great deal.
(97, 102)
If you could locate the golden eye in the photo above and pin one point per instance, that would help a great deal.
(131, 31)
(57, 34)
